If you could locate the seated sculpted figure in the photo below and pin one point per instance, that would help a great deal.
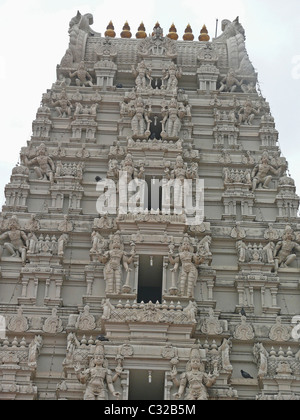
(194, 380)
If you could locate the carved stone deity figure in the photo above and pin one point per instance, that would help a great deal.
(34, 349)
(173, 114)
(203, 250)
(230, 83)
(113, 260)
(62, 105)
(284, 251)
(140, 112)
(260, 173)
(170, 78)
(83, 77)
(45, 168)
(143, 76)
(17, 240)
(189, 273)
(98, 243)
(194, 380)
(247, 113)
(62, 243)
(98, 379)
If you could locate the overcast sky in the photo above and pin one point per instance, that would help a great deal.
(34, 38)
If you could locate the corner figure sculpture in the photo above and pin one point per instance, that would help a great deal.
(98, 378)
(18, 239)
(284, 251)
(260, 173)
(195, 381)
(113, 260)
(45, 168)
(62, 105)
(230, 83)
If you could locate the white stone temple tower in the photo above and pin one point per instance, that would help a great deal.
(156, 307)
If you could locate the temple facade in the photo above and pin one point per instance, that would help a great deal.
(111, 288)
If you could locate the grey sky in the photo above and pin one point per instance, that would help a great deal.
(34, 36)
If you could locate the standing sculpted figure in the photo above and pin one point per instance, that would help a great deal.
(284, 251)
(189, 273)
(260, 173)
(83, 77)
(170, 78)
(45, 168)
(140, 112)
(18, 239)
(98, 378)
(143, 76)
(195, 381)
(172, 114)
(113, 260)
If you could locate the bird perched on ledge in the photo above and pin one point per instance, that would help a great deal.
(246, 375)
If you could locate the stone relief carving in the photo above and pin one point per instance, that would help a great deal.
(170, 78)
(260, 173)
(157, 45)
(143, 77)
(279, 332)
(62, 104)
(45, 167)
(194, 381)
(114, 259)
(17, 245)
(211, 324)
(53, 324)
(188, 276)
(285, 249)
(98, 379)
(82, 76)
(85, 321)
(150, 312)
(255, 253)
(79, 29)
(244, 331)
(173, 113)
(18, 323)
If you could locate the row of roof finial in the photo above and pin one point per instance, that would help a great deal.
(188, 33)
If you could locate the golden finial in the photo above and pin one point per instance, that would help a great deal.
(110, 30)
(173, 32)
(188, 34)
(204, 34)
(141, 33)
(126, 31)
